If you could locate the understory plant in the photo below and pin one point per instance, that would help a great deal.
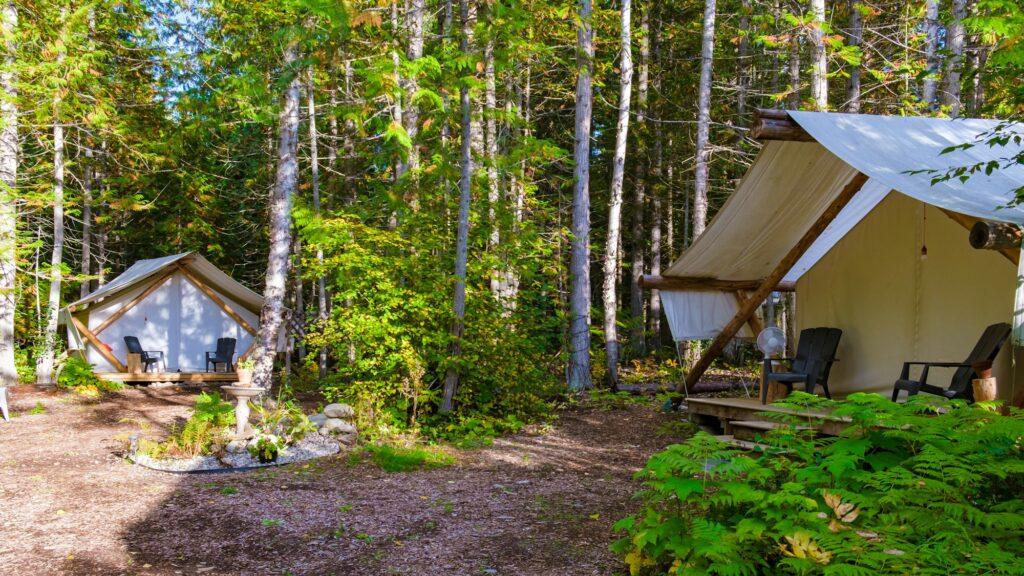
(925, 487)
(208, 425)
(77, 375)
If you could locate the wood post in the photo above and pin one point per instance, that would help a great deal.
(134, 301)
(754, 322)
(750, 305)
(212, 295)
(106, 353)
(693, 283)
(1010, 253)
(989, 235)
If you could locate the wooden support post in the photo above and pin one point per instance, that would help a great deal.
(696, 284)
(750, 305)
(989, 235)
(212, 295)
(134, 301)
(754, 322)
(97, 344)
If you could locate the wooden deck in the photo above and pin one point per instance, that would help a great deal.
(195, 378)
(745, 417)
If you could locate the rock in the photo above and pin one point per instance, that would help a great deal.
(338, 426)
(236, 447)
(347, 439)
(343, 411)
(318, 420)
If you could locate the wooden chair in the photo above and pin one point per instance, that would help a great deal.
(149, 357)
(815, 353)
(985, 351)
(225, 354)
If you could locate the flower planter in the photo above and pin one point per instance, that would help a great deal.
(244, 376)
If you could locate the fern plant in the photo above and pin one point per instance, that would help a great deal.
(922, 487)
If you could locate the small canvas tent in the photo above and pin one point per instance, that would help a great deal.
(178, 304)
(843, 209)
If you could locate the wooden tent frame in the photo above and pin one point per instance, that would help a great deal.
(92, 336)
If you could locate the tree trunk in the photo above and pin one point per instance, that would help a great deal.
(703, 154)
(954, 65)
(451, 380)
(856, 39)
(498, 279)
(636, 292)
(979, 59)
(819, 71)
(411, 114)
(654, 314)
(275, 286)
(611, 254)
(314, 168)
(45, 361)
(85, 268)
(794, 72)
(9, 150)
(579, 267)
(742, 64)
(931, 51)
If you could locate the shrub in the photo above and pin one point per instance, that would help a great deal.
(77, 375)
(404, 459)
(208, 425)
(907, 488)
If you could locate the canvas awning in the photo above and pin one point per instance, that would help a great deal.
(791, 184)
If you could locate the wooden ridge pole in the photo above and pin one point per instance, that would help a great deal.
(751, 303)
(969, 222)
(706, 284)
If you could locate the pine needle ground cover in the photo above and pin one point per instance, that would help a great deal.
(915, 488)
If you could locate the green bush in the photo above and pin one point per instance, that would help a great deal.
(913, 488)
(208, 425)
(77, 375)
(405, 459)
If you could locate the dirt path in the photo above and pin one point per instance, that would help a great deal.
(531, 504)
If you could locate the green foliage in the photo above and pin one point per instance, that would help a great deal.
(469, 432)
(208, 425)
(405, 459)
(283, 419)
(907, 488)
(77, 375)
(266, 447)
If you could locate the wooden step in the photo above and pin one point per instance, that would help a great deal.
(751, 409)
(748, 445)
(753, 430)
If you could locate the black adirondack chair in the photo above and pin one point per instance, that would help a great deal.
(225, 354)
(815, 353)
(149, 357)
(985, 351)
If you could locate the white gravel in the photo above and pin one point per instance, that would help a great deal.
(312, 446)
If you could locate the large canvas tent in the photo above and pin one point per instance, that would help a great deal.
(178, 304)
(845, 210)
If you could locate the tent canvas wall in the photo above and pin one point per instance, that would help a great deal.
(178, 304)
(864, 273)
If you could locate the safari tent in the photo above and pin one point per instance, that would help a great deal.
(179, 305)
(845, 211)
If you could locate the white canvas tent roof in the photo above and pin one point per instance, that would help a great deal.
(144, 269)
(791, 184)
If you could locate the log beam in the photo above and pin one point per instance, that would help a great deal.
(968, 222)
(95, 341)
(212, 295)
(989, 235)
(751, 303)
(698, 284)
(134, 301)
(754, 322)
(777, 125)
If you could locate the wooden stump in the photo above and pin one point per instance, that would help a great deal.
(985, 387)
(776, 391)
(135, 363)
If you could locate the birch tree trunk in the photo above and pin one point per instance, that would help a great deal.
(411, 114)
(45, 361)
(314, 167)
(275, 286)
(498, 279)
(579, 266)
(954, 65)
(85, 267)
(931, 51)
(636, 293)
(451, 380)
(794, 72)
(856, 34)
(611, 254)
(703, 154)
(742, 64)
(9, 151)
(819, 70)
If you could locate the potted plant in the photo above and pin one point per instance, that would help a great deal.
(244, 371)
(266, 448)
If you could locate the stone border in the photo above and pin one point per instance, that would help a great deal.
(310, 447)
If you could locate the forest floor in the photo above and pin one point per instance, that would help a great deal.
(539, 502)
